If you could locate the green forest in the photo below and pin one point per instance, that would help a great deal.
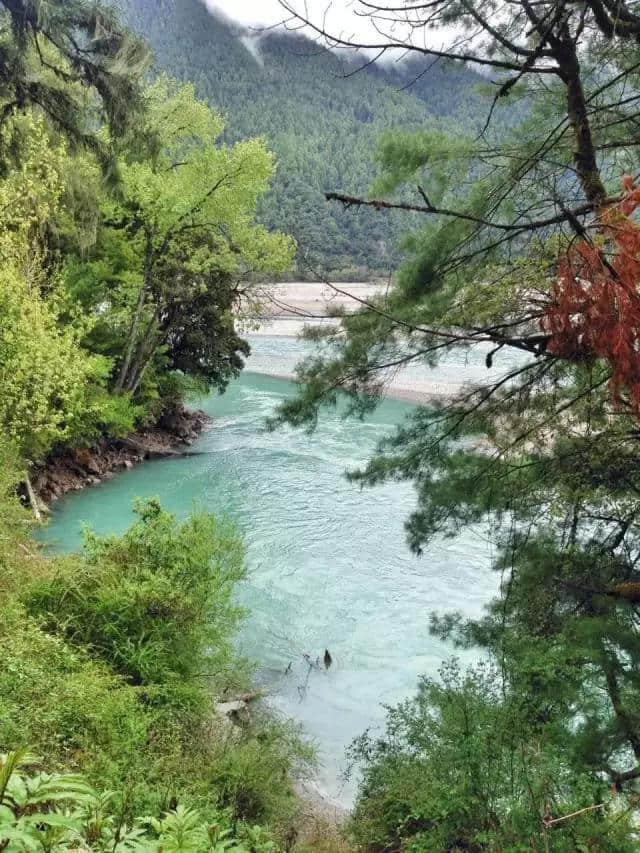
(322, 126)
(155, 174)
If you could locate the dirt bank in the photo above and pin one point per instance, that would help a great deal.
(71, 470)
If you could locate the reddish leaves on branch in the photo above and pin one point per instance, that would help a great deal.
(595, 302)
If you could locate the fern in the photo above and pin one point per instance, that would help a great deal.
(38, 812)
(53, 812)
(182, 831)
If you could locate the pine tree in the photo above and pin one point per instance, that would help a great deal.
(52, 52)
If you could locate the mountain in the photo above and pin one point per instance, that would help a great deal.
(322, 125)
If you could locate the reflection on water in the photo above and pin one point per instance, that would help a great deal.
(329, 565)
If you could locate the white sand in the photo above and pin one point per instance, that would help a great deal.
(294, 305)
(310, 301)
(418, 391)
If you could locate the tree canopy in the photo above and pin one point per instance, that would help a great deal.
(189, 205)
(55, 53)
(116, 294)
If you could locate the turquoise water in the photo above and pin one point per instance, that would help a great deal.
(329, 564)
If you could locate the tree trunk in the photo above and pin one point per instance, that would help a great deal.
(625, 722)
(123, 377)
(144, 363)
(584, 152)
(144, 354)
(138, 377)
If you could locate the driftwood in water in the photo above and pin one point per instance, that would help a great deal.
(316, 664)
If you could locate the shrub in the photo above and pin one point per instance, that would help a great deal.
(55, 812)
(156, 604)
(108, 414)
(252, 774)
(116, 665)
(462, 767)
(15, 523)
(71, 708)
(175, 388)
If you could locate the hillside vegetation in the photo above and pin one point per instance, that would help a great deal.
(322, 126)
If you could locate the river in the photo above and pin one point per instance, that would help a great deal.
(329, 565)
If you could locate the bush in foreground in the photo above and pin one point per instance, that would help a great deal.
(156, 604)
(113, 661)
(465, 766)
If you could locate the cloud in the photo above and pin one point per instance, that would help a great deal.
(266, 13)
(252, 43)
(339, 17)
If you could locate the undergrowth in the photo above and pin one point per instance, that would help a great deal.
(112, 662)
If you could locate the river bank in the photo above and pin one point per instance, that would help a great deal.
(73, 470)
(292, 306)
(289, 307)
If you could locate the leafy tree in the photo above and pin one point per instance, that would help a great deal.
(52, 390)
(463, 766)
(45, 375)
(188, 205)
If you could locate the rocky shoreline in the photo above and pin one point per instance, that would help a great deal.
(72, 470)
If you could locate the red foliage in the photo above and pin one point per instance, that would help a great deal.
(595, 302)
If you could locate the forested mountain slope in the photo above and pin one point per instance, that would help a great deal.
(322, 126)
